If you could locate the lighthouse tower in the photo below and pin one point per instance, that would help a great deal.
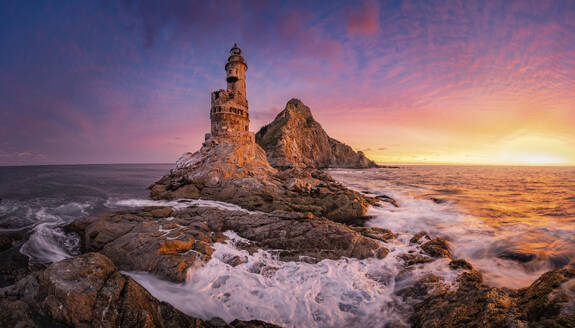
(236, 68)
(229, 111)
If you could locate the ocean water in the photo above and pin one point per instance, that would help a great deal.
(511, 223)
(39, 200)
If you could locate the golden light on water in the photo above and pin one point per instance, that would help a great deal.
(514, 149)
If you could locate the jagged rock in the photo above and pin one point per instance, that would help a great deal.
(136, 241)
(412, 259)
(419, 238)
(296, 139)
(89, 291)
(421, 288)
(548, 302)
(139, 241)
(375, 233)
(240, 174)
(437, 247)
(460, 264)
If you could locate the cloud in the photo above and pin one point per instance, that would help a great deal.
(381, 148)
(364, 20)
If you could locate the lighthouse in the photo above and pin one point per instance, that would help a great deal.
(229, 111)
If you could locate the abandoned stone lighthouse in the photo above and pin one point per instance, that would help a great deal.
(229, 111)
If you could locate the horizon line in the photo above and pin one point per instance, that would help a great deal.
(378, 163)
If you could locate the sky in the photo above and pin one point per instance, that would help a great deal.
(465, 82)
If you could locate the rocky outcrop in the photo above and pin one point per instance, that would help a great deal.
(548, 302)
(239, 173)
(168, 244)
(89, 291)
(296, 139)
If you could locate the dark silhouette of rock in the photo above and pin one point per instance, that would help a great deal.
(296, 139)
(15, 265)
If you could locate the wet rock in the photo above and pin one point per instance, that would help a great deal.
(421, 288)
(89, 291)
(233, 260)
(471, 305)
(167, 248)
(548, 302)
(375, 233)
(516, 256)
(296, 139)
(15, 265)
(381, 252)
(438, 200)
(412, 259)
(437, 247)
(387, 199)
(419, 238)
(136, 241)
(460, 264)
(86, 291)
(8, 239)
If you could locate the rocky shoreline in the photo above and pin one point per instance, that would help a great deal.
(167, 241)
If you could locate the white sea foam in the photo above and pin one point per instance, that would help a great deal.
(340, 293)
(48, 242)
(178, 204)
(469, 237)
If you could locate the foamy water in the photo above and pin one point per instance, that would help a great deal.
(340, 293)
(513, 224)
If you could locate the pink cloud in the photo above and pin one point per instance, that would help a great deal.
(364, 20)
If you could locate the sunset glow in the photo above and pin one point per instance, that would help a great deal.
(471, 82)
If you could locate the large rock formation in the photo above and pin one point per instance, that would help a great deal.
(167, 242)
(239, 173)
(296, 139)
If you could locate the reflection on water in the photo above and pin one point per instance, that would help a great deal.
(513, 223)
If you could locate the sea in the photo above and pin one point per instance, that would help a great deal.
(511, 223)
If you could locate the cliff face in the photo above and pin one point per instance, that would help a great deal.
(296, 139)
